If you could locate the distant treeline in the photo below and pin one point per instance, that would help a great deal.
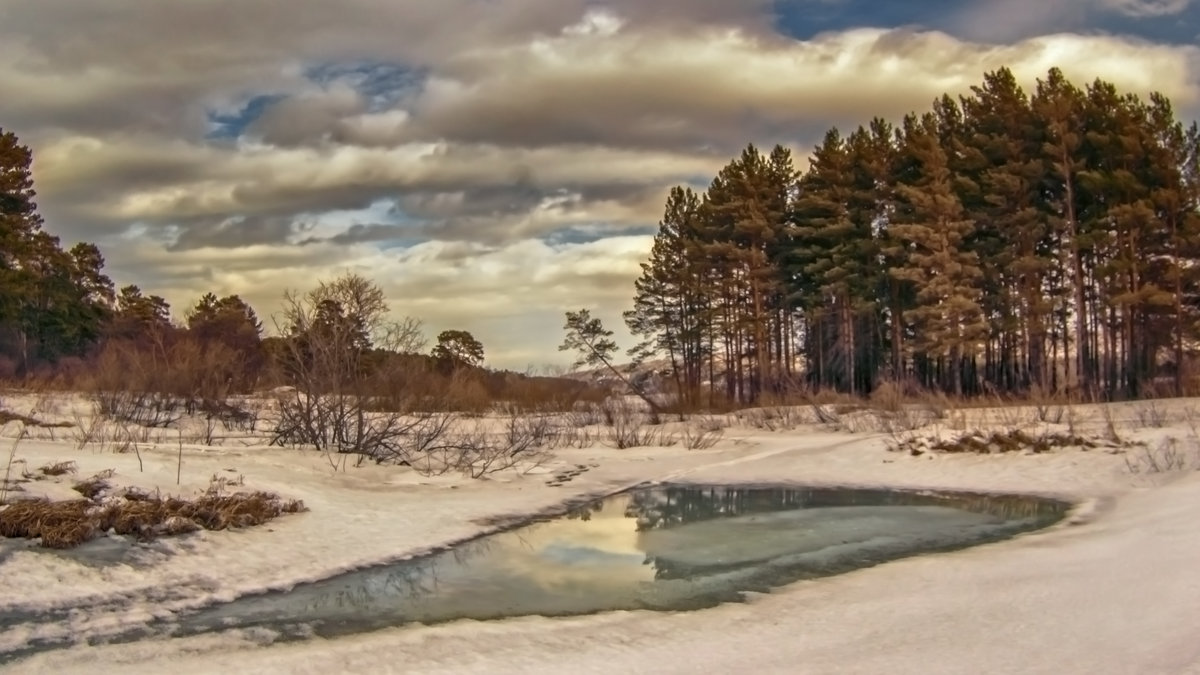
(1000, 242)
(63, 323)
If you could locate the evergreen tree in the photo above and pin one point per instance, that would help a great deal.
(457, 349)
(52, 302)
(746, 213)
(931, 223)
(671, 305)
(1058, 106)
(1003, 144)
(1055, 238)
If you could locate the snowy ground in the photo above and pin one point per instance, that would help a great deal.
(1113, 590)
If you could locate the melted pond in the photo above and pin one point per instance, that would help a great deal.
(660, 548)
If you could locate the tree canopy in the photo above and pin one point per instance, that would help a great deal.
(999, 242)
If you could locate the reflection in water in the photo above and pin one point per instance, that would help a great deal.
(670, 548)
(663, 548)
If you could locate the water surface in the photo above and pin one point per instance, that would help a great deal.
(662, 548)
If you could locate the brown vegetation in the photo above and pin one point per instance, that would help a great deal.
(998, 442)
(65, 524)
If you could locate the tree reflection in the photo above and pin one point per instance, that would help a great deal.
(582, 563)
(672, 506)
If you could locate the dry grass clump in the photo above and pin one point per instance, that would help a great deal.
(70, 523)
(57, 524)
(93, 487)
(58, 468)
(998, 442)
(7, 416)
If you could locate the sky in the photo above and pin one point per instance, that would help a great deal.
(489, 163)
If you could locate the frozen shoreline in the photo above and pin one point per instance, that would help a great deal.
(1113, 590)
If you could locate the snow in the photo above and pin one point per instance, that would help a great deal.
(1111, 590)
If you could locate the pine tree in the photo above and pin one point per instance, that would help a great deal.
(1011, 238)
(1054, 237)
(746, 211)
(930, 221)
(52, 302)
(1059, 107)
(671, 305)
(834, 260)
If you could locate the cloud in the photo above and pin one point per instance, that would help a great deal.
(491, 162)
(512, 297)
(1007, 20)
(1145, 8)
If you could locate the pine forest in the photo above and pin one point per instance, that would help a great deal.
(999, 243)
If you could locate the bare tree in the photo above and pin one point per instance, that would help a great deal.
(330, 360)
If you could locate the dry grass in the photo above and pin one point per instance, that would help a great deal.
(1167, 457)
(92, 488)
(7, 416)
(999, 442)
(67, 524)
(58, 468)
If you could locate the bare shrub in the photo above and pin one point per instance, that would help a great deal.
(937, 404)
(480, 453)
(208, 432)
(144, 408)
(90, 430)
(888, 397)
(907, 418)
(12, 454)
(702, 433)
(1151, 413)
(571, 436)
(238, 414)
(782, 417)
(535, 430)
(586, 415)
(342, 424)
(328, 359)
(1166, 457)
(1110, 424)
(1048, 407)
(155, 383)
(630, 427)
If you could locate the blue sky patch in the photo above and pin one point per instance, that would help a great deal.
(381, 83)
(231, 125)
(803, 19)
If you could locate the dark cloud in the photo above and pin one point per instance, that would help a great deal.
(239, 232)
(527, 144)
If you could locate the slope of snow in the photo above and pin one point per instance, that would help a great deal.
(1112, 591)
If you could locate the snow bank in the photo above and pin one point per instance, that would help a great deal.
(1112, 590)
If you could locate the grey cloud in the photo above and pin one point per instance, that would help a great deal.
(363, 233)
(1145, 8)
(239, 232)
(307, 119)
(129, 64)
(1007, 20)
(529, 144)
